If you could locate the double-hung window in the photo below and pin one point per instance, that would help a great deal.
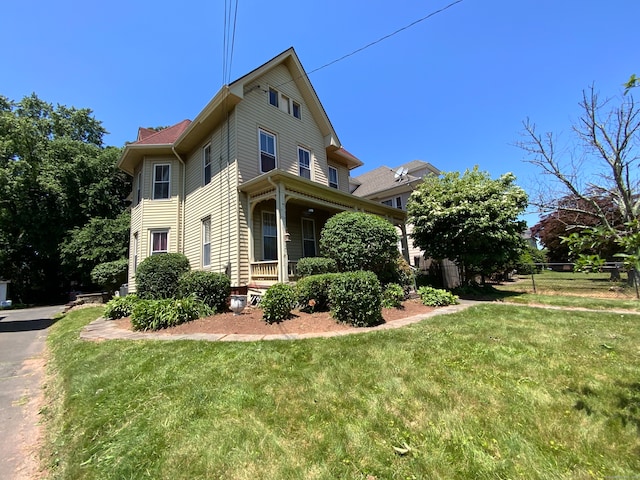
(333, 177)
(269, 236)
(308, 238)
(273, 97)
(206, 160)
(304, 160)
(161, 181)
(206, 242)
(135, 252)
(139, 189)
(159, 241)
(267, 151)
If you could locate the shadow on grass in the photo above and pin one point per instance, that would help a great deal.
(486, 293)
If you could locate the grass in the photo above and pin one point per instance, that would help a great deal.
(496, 391)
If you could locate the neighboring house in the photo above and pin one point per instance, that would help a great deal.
(392, 187)
(246, 187)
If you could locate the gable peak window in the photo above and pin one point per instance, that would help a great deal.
(284, 103)
(267, 151)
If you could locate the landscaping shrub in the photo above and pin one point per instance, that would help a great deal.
(434, 297)
(399, 272)
(359, 241)
(119, 307)
(312, 292)
(210, 287)
(277, 302)
(158, 275)
(316, 266)
(167, 312)
(110, 275)
(355, 298)
(392, 296)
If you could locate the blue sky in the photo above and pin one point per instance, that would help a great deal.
(452, 90)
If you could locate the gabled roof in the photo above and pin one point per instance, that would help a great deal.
(193, 133)
(148, 136)
(384, 179)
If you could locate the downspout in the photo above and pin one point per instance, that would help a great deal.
(181, 208)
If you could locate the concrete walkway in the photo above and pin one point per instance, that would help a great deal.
(103, 329)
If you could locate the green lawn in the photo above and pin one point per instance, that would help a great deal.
(496, 391)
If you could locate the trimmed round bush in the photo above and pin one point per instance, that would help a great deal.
(316, 266)
(434, 297)
(119, 307)
(312, 292)
(210, 287)
(355, 298)
(392, 296)
(277, 302)
(359, 241)
(158, 275)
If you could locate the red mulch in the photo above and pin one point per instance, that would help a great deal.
(250, 321)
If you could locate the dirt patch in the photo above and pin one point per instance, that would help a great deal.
(250, 322)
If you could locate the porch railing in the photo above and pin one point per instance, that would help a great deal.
(268, 271)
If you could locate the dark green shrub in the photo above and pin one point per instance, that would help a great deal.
(359, 241)
(434, 297)
(110, 275)
(312, 292)
(277, 302)
(315, 266)
(167, 312)
(158, 275)
(210, 287)
(392, 296)
(399, 272)
(119, 307)
(355, 299)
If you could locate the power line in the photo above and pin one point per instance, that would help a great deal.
(386, 36)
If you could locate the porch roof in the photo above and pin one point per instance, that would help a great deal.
(263, 187)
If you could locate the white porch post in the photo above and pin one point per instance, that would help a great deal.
(281, 221)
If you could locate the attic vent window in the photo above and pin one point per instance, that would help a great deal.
(284, 103)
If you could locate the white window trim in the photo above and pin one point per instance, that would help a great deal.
(135, 251)
(337, 182)
(155, 165)
(275, 149)
(151, 236)
(310, 162)
(206, 244)
(204, 165)
(284, 103)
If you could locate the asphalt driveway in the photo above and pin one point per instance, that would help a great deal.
(22, 340)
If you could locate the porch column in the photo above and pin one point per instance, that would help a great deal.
(404, 242)
(251, 238)
(281, 222)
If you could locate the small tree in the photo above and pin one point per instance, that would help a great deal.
(469, 219)
(110, 275)
(359, 241)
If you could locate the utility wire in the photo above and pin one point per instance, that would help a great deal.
(386, 36)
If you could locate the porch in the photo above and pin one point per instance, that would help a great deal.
(285, 215)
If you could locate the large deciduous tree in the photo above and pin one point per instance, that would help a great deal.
(470, 219)
(600, 169)
(55, 175)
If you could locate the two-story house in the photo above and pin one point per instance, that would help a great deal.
(246, 187)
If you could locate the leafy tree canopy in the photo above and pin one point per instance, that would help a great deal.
(470, 219)
(55, 175)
